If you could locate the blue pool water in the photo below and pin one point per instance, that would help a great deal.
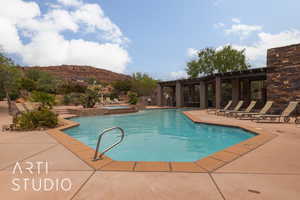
(157, 135)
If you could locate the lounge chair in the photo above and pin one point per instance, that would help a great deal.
(283, 118)
(236, 108)
(251, 115)
(247, 110)
(116, 101)
(214, 111)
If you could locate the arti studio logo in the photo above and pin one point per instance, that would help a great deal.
(35, 178)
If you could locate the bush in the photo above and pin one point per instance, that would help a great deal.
(37, 118)
(133, 98)
(66, 99)
(90, 98)
(67, 87)
(47, 100)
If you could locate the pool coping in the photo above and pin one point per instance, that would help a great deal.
(204, 165)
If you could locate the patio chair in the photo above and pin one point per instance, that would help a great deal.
(214, 111)
(247, 110)
(251, 115)
(236, 108)
(116, 101)
(285, 116)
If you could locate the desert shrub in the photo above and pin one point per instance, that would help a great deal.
(47, 100)
(37, 118)
(75, 98)
(67, 87)
(133, 98)
(90, 98)
(72, 99)
(113, 95)
(66, 99)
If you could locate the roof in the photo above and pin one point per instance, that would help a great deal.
(249, 73)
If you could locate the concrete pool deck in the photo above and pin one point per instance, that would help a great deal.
(270, 171)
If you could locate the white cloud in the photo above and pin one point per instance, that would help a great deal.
(9, 40)
(191, 52)
(217, 2)
(93, 17)
(178, 75)
(70, 2)
(257, 52)
(219, 25)
(236, 20)
(47, 44)
(242, 30)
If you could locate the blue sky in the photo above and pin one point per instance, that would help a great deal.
(157, 36)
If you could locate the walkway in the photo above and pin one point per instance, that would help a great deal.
(271, 171)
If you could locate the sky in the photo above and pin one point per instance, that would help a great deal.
(157, 37)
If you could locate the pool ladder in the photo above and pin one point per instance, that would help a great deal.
(109, 148)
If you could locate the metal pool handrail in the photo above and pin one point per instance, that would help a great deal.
(109, 148)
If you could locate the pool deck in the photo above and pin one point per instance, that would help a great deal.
(267, 168)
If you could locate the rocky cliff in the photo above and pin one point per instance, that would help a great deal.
(77, 72)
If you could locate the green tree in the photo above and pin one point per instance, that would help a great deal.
(212, 61)
(122, 86)
(27, 84)
(45, 82)
(47, 100)
(9, 76)
(143, 84)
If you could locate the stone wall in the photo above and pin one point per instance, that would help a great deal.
(283, 77)
(101, 111)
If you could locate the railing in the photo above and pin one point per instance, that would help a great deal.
(109, 148)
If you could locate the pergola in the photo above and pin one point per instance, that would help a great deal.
(194, 91)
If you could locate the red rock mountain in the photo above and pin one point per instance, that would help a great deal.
(78, 72)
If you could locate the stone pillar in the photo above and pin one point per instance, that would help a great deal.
(179, 95)
(160, 95)
(218, 92)
(235, 83)
(173, 100)
(203, 95)
(246, 90)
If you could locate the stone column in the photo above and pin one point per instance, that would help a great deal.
(218, 92)
(203, 95)
(235, 83)
(160, 95)
(246, 90)
(179, 95)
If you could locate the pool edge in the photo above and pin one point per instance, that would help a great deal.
(204, 165)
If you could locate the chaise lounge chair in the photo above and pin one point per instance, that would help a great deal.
(247, 110)
(252, 115)
(214, 111)
(283, 118)
(236, 108)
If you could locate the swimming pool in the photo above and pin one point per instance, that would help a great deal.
(157, 135)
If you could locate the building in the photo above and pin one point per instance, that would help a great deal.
(279, 82)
